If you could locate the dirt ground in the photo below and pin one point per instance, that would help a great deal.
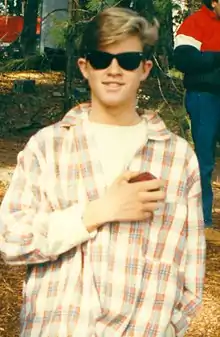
(207, 324)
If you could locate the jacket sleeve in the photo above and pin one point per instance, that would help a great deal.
(30, 232)
(195, 256)
(188, 54)
(188, 59)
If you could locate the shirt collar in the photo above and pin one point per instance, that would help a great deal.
(156, 127)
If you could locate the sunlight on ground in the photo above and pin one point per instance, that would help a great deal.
(46, 77)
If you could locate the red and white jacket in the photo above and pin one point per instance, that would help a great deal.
(197, 51)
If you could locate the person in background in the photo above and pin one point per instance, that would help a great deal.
(107, 256)
(197, 55)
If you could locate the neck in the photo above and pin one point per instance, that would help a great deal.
(123, 115)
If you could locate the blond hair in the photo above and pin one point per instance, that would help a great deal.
(114, 25)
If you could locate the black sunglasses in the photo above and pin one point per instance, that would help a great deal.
(102, 60)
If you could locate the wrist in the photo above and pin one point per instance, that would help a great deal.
(93, 216)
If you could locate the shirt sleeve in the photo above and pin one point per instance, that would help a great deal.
(195, 260)
(30, 232)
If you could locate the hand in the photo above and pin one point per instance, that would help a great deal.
(125, 201)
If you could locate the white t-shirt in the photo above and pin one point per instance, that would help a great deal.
(117, 145)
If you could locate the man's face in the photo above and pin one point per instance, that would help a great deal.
(114, 86)
(216, 7)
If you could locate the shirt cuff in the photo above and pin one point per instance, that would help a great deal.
(66, 230)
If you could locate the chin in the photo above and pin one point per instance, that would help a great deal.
(114, 101)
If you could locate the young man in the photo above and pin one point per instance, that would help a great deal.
(197, 55)
(107, 257)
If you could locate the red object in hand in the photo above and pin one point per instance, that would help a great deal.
(145, 176)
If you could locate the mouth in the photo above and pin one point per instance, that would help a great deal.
(113, 85)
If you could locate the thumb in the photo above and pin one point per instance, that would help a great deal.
(126, 176)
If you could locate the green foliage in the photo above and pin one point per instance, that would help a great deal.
(58, 32)
(95, 5)
(11, 7)
(35, 62)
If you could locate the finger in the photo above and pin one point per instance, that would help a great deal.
(152, 196)
(126, 176)
(150, 207)
(146, 215)
(150, 185)
(149, 215)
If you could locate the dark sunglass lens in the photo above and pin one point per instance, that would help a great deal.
(129, 61)
(99, 60)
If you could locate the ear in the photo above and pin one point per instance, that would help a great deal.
(83, 66)
(147, 66)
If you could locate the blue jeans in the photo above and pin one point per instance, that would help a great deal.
(204, 111)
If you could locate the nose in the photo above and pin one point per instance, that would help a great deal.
(114, 68)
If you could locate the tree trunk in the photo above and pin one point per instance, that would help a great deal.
(146, 8)
(143, 7)
(28, 35)
(70, 73)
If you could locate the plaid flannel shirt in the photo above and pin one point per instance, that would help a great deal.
(125, 279)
